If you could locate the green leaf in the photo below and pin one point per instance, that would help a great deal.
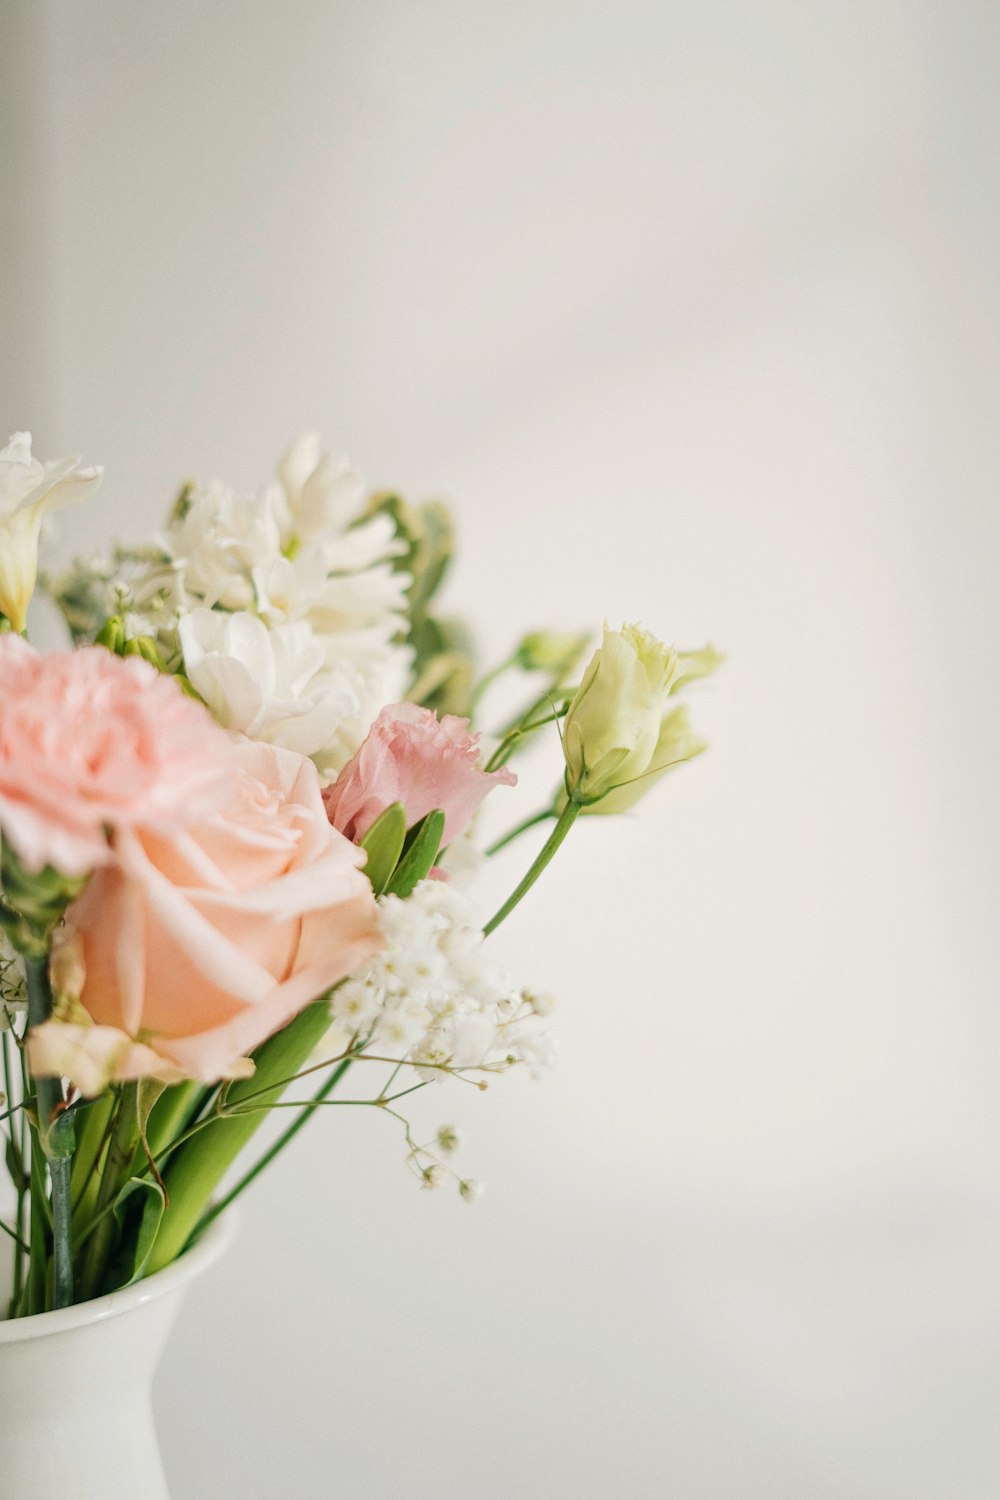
(383, 843)
(437, 545)
(149, 1224)
(424, 844)
(146, 1095)
(173, 1112)
(199, 1164)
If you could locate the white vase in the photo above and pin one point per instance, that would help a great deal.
(76, 1416)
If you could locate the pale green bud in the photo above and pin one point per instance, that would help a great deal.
(112, 635)
(146, 647)
(550, 651)
(612, 726)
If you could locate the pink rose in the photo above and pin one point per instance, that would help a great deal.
(90, 741)
(191, 947)
(409, 756)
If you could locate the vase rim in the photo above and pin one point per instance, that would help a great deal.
(206, 1250)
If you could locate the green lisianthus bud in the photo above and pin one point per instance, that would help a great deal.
(612, 726)
(676, 744)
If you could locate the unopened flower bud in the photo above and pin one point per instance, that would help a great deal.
(112, 635)
(613, 724)
(542, 1005)
(447, 1139)
(146, 647)
(550, 651)
(676, 744)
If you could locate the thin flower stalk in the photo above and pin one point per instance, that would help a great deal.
(564, 823)
(49, 1094)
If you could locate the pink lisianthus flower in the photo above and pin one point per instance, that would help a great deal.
(412, 757)
(190, 947)
(92, 742)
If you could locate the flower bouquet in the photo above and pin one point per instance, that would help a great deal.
(238, 852)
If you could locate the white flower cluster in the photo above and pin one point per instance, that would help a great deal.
(432, 999)
(284, 605)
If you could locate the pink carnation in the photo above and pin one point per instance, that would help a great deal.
(409, 756)
(90, 741)
(188, 949)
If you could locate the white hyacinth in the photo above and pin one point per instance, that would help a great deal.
(433, 998)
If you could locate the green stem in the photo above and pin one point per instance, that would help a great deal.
(117, 1166)
(326, 1088)
(19, 1254)
(33, 1294)
(565, 822)
(49, 1094)
(16, 1132)
(518, 829)
(487, 680)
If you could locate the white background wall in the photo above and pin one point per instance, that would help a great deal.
(691, 308)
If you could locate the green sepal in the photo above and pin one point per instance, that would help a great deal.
(59, 1136)
(149, 1223)
(423, 846)
(383, 843)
